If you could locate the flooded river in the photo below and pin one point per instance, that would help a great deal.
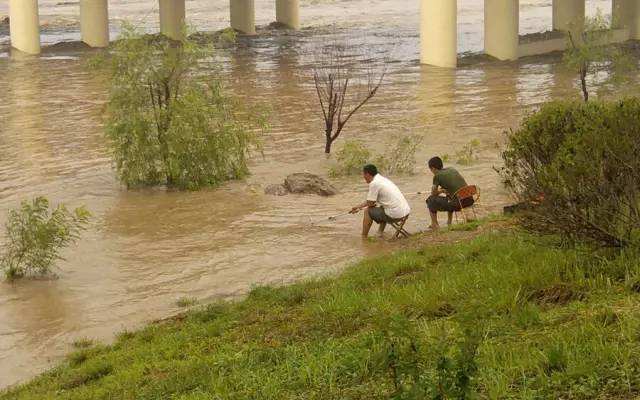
(145, 249)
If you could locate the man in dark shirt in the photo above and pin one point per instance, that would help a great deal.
(446, 183)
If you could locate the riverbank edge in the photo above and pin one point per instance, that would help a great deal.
(564, 296)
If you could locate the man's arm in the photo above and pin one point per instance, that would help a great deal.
(372, 197)
(436, 191)
(359, 207)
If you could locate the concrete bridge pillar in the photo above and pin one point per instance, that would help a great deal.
(94, 22)
(288, 13)
(25, 25)
(626, 14)
(243, 16)
(568, 15)
(172, 18)
(439, 33)
(501, 28)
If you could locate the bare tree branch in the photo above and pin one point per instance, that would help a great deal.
(344, 84)
(372, 93)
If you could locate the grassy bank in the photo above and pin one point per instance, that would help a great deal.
(505, 315)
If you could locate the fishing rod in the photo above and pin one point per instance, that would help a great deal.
(406, 194)
(337, 216)
(416, 193)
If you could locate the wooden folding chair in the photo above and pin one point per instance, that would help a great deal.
(398, 225)
(467, 192)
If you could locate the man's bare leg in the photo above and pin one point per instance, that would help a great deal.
(450, 218)
(366, 223)
(381, 228)
(434, 220)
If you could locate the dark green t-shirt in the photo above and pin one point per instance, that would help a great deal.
(450, 180)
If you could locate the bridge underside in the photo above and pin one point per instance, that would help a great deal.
(438, 33)
(438, 25)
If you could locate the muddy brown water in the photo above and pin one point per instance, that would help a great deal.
(147, 248)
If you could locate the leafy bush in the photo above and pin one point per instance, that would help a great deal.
(576, 165)
(169, 123)
(35, 235)
(469, 153)
(399, 159)
(350, 159)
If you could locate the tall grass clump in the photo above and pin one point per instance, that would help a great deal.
(468, 154)
(350, 159)
(399, 158)
(170, 121)
(576, 167)
(35, 235)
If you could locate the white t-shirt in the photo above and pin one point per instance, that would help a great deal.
(388, 196)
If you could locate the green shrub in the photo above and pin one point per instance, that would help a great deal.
(577, 165)
(469, 153)
(350, 159)
(399, 159)
(170, 123)
(36, 234)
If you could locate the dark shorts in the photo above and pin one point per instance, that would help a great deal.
(445, 204)
(377, 214)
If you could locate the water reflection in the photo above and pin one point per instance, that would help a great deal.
(436, 96)
(20, 137)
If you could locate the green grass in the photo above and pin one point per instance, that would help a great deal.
(185, 302)
(466, 226)
(505, 315)
(82, 343)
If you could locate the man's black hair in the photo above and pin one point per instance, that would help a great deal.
(370, 169)
(436, 162)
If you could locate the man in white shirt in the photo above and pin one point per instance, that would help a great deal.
(385, 202)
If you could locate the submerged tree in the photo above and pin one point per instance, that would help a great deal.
(589, 52)
(35, 234)
(344, 83)
(171, 123)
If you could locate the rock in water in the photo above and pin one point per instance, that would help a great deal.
(276, 190)
(309, 184)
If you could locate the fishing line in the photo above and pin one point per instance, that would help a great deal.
(329, 219)
(333, 218)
